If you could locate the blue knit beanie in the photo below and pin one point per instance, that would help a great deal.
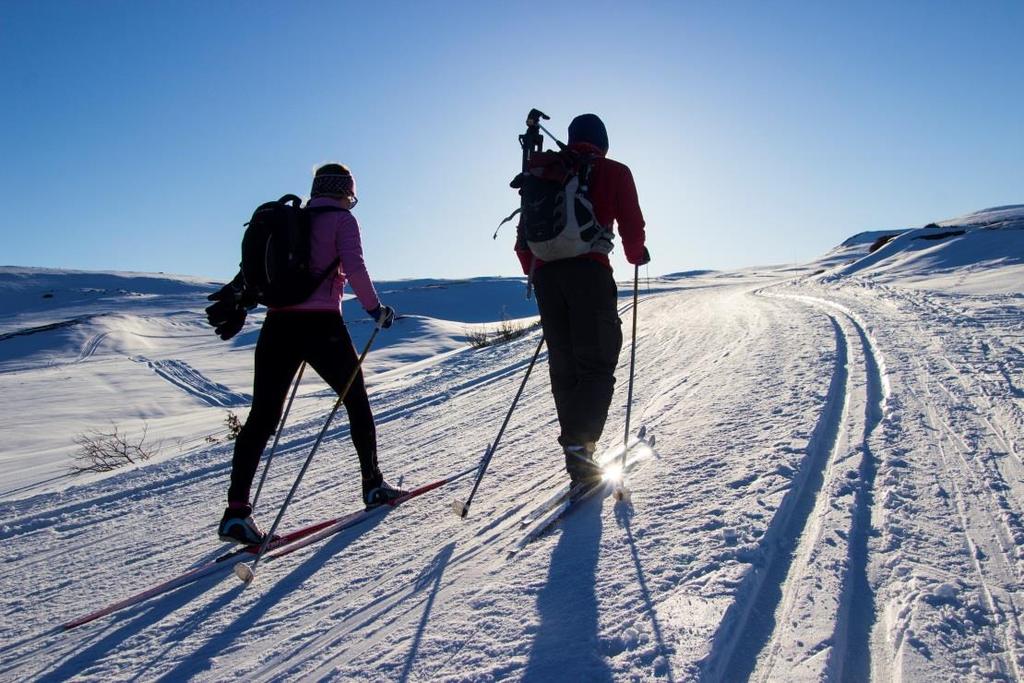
(589, 128)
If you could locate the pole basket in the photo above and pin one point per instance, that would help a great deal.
(460, 508)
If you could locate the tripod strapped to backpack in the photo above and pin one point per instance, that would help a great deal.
(532, 142)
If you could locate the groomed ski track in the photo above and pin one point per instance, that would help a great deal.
(836, 496)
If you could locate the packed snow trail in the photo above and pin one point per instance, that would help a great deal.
(805, 619)
(836, 495)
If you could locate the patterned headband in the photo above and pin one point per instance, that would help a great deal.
(336, 184)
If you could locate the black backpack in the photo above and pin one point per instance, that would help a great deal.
(556, 219)
(276, 253)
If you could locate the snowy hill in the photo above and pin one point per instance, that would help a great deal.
(139, 344)
(980, 253)
(837, 491)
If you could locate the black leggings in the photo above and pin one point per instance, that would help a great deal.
(287, 339)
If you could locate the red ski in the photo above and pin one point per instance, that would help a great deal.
(284, 545)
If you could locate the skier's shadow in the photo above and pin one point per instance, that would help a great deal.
(203, 658)
(624, 516)
(567, 646)
(431, 577)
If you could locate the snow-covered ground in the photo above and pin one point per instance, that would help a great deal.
(837, 492)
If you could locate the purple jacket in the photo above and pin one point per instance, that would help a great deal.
(335, 234)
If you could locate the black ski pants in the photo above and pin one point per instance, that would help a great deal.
(287, 339)
(578, 303)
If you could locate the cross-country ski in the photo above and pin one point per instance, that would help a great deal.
(281, 545)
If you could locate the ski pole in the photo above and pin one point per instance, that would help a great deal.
(277, 436)
(461, 508)
(620, 490)
(242, 570)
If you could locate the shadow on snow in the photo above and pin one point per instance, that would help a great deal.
(151, 613)
(567, 645)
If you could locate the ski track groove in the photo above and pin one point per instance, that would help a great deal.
(91, 347)
(864, 408)
(183, 376)
(971, 528)
(761, 631)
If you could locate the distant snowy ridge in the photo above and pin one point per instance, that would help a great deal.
(1010, 216)
(979, 253)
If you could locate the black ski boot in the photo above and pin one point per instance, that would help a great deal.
(377, 492)
(579, 488)
(238, 526)
(581, 466)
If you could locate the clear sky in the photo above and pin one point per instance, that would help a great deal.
(141, 135)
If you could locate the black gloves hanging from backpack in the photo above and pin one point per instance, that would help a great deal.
(231, 304)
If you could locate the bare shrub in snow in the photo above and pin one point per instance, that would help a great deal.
(103, 451)
(234, 425)
(478, 339)
(506, 331)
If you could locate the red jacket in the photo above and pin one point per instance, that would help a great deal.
(613, 193)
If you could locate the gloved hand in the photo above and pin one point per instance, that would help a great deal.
(236, 292)
(231, 303)
(384, 315)
(644, 259)
(226, 318)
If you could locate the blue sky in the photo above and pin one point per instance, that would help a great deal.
(141, 135)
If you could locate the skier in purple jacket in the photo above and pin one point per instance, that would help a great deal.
(312, 331)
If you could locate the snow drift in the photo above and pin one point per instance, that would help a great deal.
(980, 253)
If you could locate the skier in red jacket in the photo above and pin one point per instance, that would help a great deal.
(578, 302)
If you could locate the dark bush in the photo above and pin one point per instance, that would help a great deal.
(880, 242)
(506, 331)
(941, 235)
